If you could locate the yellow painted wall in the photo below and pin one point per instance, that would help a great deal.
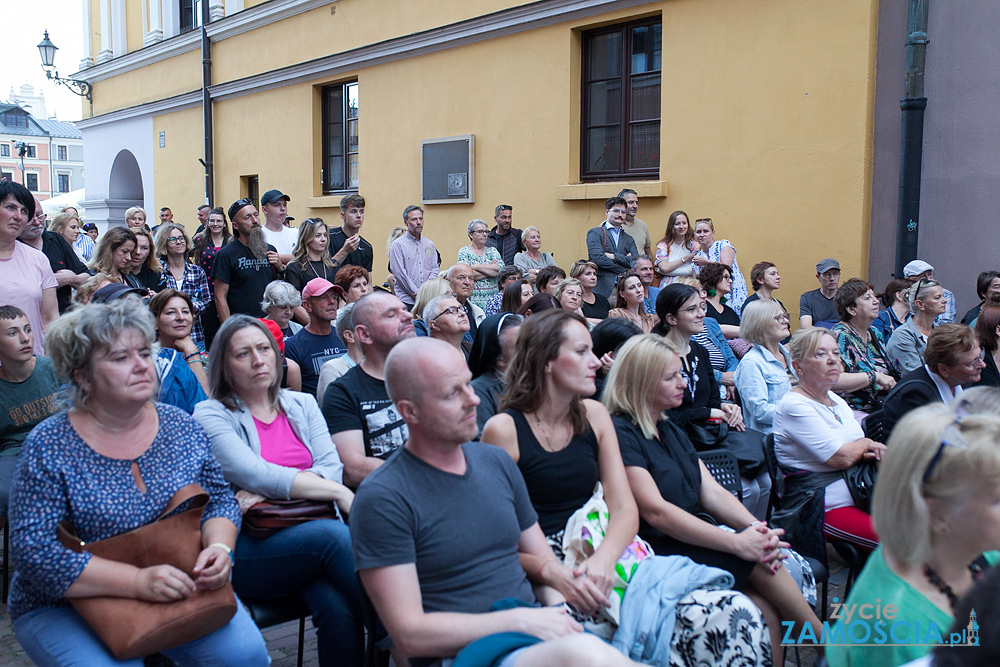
(179, 177)
(95, 27)
(766, 128)
(167, 78)
(133, 25)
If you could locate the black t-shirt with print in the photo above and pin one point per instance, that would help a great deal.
(246, 276)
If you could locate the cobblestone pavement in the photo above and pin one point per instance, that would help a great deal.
(282, 640)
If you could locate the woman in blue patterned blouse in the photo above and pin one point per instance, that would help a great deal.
(109, 465)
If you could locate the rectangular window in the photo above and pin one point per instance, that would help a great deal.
(31, 151)
(62, 153)
(250, 186)
(31, 182)
(340, 137)
(190, 14)
(15, 118)
(6, 176)
(621, 101)
(4, 150)
(63, 182)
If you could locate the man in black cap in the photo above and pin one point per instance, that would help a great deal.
(242, 270)
(275, 205)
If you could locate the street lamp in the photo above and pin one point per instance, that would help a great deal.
(47, 50)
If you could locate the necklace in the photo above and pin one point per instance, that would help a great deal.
(545, 433)
(863, 339)
(832, 409)
(977, 573)
(312, 265)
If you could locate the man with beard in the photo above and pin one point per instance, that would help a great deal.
(70, 272)
(504, 237)
(635, 227)
(242, 270)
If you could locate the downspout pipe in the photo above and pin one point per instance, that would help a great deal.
(206, 104)
(912, 105)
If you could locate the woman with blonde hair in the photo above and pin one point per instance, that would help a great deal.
(672, 486)
(310, 256)
(935, 509)
(135, 218)
(430, 289)
(629, 300)
(67, 225)
(764, 374)
(595, 306)
(569, 294)
(114, 254)
(532, 260)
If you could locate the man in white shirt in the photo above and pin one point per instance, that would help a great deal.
(275, 206)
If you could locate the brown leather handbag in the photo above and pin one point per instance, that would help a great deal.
(269, 516)
(134, 628)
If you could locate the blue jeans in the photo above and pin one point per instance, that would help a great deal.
(59, 637)
(312, 561)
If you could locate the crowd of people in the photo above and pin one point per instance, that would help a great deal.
(516, 445)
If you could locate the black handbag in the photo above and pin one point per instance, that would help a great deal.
(747, 446)
(860, 479)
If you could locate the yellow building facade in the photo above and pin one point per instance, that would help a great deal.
(765, 116)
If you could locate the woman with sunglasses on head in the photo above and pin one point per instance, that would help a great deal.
(905, 347)
(935, 508)
(172, 247)
(310, 258)
(709, 422)
(721, 251)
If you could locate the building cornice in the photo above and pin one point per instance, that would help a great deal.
(505, 22)
(230, 26)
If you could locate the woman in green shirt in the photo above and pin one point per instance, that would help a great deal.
(937, 512)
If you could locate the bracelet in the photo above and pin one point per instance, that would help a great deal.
(196, 353)
(225, 547)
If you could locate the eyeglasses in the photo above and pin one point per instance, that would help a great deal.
(781, 318)
(453, 310)
(951, 437)
(975, 362)
(708, 220)
(479, 231)
(176, 239)
(728, 277)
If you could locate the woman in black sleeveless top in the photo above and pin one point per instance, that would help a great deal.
(563, 445)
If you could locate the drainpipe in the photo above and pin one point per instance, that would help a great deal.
(206, 103)
(912, 135)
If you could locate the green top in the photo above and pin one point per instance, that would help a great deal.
(877, 584)
(27, 403)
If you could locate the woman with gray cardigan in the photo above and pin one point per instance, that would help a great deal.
(274, 444)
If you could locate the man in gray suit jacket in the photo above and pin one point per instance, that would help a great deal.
(610, 247)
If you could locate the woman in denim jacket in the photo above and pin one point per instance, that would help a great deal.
(765, 373)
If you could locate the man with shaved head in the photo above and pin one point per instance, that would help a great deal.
(437, 530)
(361, 418)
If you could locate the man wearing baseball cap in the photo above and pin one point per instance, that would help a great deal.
(318, 342)
(816, 308)
(918, 269)
(275, 206)
(242, 270)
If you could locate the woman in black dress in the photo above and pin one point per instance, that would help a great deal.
(680, 505)
(564, 444)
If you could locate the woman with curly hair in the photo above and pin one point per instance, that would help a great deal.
(717, 280)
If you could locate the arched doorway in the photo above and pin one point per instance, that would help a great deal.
(124, 187)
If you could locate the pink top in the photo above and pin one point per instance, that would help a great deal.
(23, 276)
(279, 444)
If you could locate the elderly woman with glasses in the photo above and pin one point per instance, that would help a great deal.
(484, 260)
(817, 438)
(172, 247)
(279, 304)
(935, 508)
(765, 372)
